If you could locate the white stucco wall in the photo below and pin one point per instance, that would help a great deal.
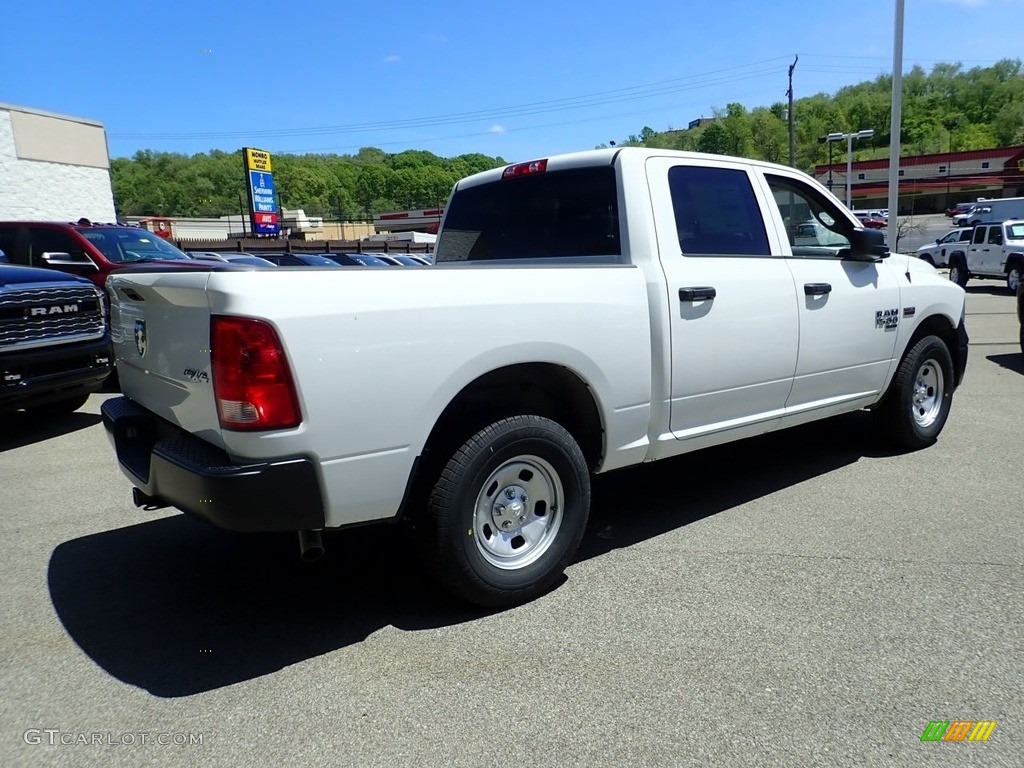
(37, 190)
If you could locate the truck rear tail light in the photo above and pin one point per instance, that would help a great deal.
(252, 382)
(525, 169)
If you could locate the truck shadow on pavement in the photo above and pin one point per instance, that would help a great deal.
(177, 607)
(1012, 362)
(22, 428)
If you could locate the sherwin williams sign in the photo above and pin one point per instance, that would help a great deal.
(262, 200)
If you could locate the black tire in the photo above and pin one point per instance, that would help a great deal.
(917, 404)
(928, 260)
(507, 512)
(60, 407)
(958, 271)
(1013, 274)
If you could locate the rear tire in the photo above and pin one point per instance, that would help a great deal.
(917, 404)
(507, 512)
(1013, 277)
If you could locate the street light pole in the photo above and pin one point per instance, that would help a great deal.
(949, 166)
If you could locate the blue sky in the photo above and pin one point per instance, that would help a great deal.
(517, 80)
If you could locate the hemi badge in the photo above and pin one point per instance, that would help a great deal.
(909, 311)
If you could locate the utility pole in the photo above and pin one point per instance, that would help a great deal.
(792, 137)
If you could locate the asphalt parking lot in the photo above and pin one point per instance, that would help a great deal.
(800, 599)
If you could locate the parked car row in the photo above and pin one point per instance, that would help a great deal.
(313, 259)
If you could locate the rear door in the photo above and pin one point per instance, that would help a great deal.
(733, 307)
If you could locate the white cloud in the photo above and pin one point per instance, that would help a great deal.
(497, 129)
(968, 3)
(392, 58)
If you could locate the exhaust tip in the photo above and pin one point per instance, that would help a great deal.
(311, 546)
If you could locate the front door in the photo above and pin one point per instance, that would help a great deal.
(849, 310)
(732, 305)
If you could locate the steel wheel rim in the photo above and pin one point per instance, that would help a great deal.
(518, 512)
(1013, 279)
(929, 384)
(954, 274)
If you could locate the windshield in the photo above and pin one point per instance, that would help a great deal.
(128, 244)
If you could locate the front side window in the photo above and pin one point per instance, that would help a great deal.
(814, 227)
(716, 212)
(550, 215)
(995, 236)
(53, 241)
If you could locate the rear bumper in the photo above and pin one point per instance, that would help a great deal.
(49, 374)
(180, 470)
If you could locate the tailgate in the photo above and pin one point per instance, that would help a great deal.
(160, 327)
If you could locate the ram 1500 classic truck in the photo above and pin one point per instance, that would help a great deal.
(585, 312)
(54, 343)
(993, 251)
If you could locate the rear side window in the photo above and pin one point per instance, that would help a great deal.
(552, 215)
(979, 236)
(716, 212)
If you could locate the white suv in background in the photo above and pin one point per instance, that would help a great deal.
(937, 254)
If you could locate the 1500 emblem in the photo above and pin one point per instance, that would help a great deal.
(887, 318)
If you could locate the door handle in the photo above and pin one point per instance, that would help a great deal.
(697, 294)
(817, 289)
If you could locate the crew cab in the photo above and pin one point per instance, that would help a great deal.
(585, 312)
(994, 251)
(54, 343)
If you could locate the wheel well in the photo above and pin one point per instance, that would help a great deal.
(1014, 258)
(540, 389)
(937, 325)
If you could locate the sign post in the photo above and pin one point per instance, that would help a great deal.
(262, 199)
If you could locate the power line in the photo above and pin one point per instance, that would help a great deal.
(648, 90)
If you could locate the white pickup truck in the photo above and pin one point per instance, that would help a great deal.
(992, 251)
(586, 312)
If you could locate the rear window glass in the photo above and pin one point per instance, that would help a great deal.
(557, 214)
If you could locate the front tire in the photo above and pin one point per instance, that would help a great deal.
(917, 405)
(507, 513)
(958, 272)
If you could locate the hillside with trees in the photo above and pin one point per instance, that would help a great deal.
(949, 108)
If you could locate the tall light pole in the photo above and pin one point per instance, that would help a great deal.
(828, 140)
(849, 152)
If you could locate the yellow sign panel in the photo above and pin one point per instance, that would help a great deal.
(257, 160)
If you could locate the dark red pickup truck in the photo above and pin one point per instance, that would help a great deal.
(87, 250)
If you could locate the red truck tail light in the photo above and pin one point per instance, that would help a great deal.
(252, 382)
